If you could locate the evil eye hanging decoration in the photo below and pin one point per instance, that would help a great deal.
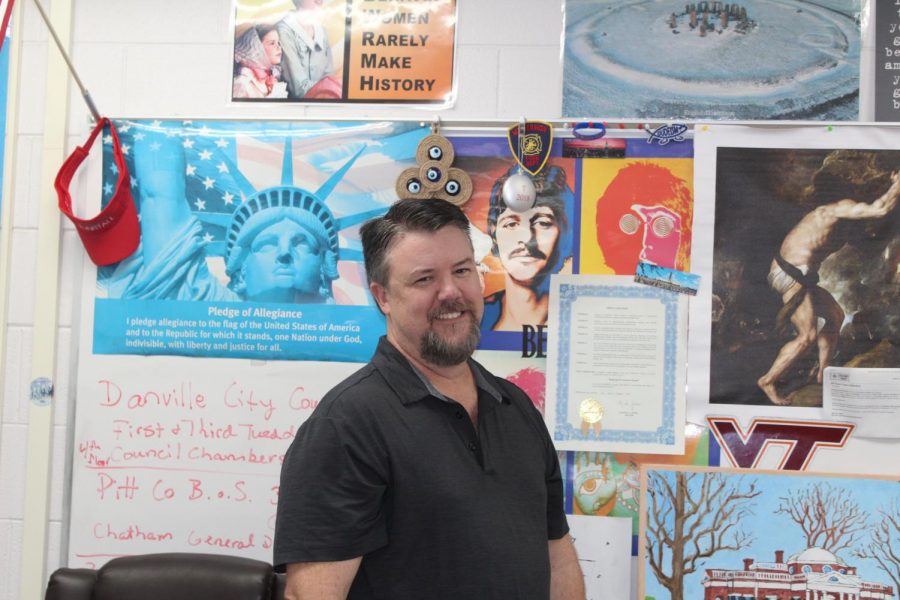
(434, 178)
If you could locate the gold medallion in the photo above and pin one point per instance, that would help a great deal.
(591, 413)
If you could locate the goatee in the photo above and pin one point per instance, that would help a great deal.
(438, 351)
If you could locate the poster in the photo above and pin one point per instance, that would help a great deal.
(338, 51)
(719, 533)
(887, 62)
(249, 239)
(769, 59)
(518, 252)
(804, 259)
(636, 210)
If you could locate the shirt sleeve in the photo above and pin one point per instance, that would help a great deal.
(330, 498)
(294, 62)
(557, 526)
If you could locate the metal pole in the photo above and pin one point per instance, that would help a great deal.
(84, 92)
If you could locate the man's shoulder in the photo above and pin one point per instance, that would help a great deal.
(357, 392)
(507, 389)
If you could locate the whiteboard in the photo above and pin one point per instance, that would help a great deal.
(173, 454)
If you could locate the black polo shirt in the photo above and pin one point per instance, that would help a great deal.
(386, 470)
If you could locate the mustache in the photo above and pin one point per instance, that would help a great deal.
(528, 249)
(449, 307)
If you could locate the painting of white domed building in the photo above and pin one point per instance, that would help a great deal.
(813, 574)
(745, 534)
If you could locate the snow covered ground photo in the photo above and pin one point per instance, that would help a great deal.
(768, 59)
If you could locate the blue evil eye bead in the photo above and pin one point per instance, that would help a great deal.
(452, 187)
(413, 186)
(435, 153)
(433, 174)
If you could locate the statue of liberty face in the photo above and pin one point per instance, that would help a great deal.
(283, 264)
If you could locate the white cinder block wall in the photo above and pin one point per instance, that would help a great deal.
(172, 58)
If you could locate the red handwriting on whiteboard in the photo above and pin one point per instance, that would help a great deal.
(214, 541)
(237, 397)
(236, 493)
(90, 452)
(103, 531)
(299, 401)
(181, 397)
(122, 488)
(274, 500)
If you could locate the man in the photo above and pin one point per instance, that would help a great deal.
(794, 275)
(281, 244)
(423, 476)
(528, 246)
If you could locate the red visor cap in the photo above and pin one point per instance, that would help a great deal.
(114, 233)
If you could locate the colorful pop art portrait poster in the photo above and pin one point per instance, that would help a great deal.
(249, 238)
(635, 210)
(767, 59)
(714, 533)
(336, 51)
(518, 252)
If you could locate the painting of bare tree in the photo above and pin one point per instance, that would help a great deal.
(883, 545)
(713, 534)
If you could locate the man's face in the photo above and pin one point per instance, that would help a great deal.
(284, 260)
(662, 234)
(433, 301)
(526, 242)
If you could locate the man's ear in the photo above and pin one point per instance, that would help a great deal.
(379, 292)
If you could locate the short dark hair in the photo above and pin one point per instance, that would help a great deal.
(550, 186)
(404, 216)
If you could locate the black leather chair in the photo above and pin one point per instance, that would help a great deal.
(170, 576)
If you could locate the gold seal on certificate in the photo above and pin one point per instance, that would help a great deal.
(591, 412)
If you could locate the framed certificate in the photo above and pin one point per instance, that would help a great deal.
(616, 365)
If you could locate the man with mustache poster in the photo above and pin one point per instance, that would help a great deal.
(423, 475)
(528, 245)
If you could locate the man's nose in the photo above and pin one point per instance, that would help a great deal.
(531, 242)
(449, 289)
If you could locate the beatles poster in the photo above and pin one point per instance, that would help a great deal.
(653, 59)
(333, 51)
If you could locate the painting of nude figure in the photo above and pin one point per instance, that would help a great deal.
(805, 270)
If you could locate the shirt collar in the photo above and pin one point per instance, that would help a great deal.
(396, 369)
